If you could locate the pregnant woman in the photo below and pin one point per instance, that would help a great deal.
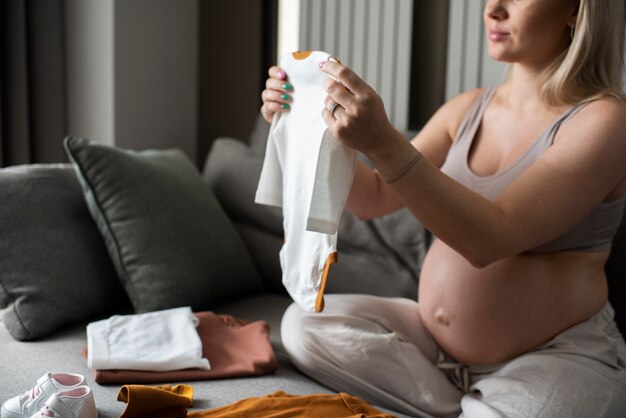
(523, 185)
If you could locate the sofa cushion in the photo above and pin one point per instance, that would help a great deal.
(232, 171)
(380, 257)
(615, 271)
(54, 267)
(257, 141)
(169, 239)
(264, 247)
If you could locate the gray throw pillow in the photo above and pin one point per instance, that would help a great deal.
(169, 239)
(54, 267)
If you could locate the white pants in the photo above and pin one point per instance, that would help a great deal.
(378, 349)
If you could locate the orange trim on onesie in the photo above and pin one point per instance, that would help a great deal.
(301, 55)
(319, 303)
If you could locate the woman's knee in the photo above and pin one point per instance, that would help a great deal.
(299, 328)
(295, 335)
(294, 326)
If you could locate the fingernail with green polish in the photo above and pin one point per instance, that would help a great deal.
(284, 106)
(284, 96)
(287, 86)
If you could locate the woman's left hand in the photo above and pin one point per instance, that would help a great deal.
(360, 120)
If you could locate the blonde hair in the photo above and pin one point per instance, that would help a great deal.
(591, 67)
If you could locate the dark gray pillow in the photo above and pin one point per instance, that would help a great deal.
(54, 267)
(169, 239)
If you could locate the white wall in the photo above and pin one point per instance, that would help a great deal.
(90, 76)
(133, 72)
(156, 74)
(288, 27)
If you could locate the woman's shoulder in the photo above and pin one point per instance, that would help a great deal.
(608, 112)
(610, 106)
(597, 127)
(596, 135)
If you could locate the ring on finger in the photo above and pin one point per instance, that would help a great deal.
(332, 107)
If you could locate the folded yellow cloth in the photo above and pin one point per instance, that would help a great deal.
(172, 402)
(165, 401)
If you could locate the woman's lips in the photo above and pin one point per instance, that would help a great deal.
(496, 35)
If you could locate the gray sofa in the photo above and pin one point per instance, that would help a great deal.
(380, 257)
(58, 271)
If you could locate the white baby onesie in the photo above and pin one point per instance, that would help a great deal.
(308, 173)
(155, 341)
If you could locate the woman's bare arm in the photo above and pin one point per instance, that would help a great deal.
(370, 197)
(573, 176)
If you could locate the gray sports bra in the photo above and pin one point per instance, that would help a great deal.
(594, 233)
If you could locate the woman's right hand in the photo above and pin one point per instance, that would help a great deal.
(276, 96)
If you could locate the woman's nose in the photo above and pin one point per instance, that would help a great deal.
(495, 9)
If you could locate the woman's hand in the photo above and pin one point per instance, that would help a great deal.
(360, 120)
(276, 96)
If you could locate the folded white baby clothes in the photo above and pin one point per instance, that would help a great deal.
(308, 173)
(154, 341)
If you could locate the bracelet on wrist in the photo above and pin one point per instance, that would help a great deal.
(405, 170)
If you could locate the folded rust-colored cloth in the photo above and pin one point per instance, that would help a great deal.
(165, 401)
(234, 348)
(283, 405)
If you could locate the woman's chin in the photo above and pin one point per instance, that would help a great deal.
(497, 54)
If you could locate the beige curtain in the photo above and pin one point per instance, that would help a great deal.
(32, 82)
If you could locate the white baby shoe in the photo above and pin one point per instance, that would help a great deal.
(73, 403)
(31, 401)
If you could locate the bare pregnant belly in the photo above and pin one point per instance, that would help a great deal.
(491, 314)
